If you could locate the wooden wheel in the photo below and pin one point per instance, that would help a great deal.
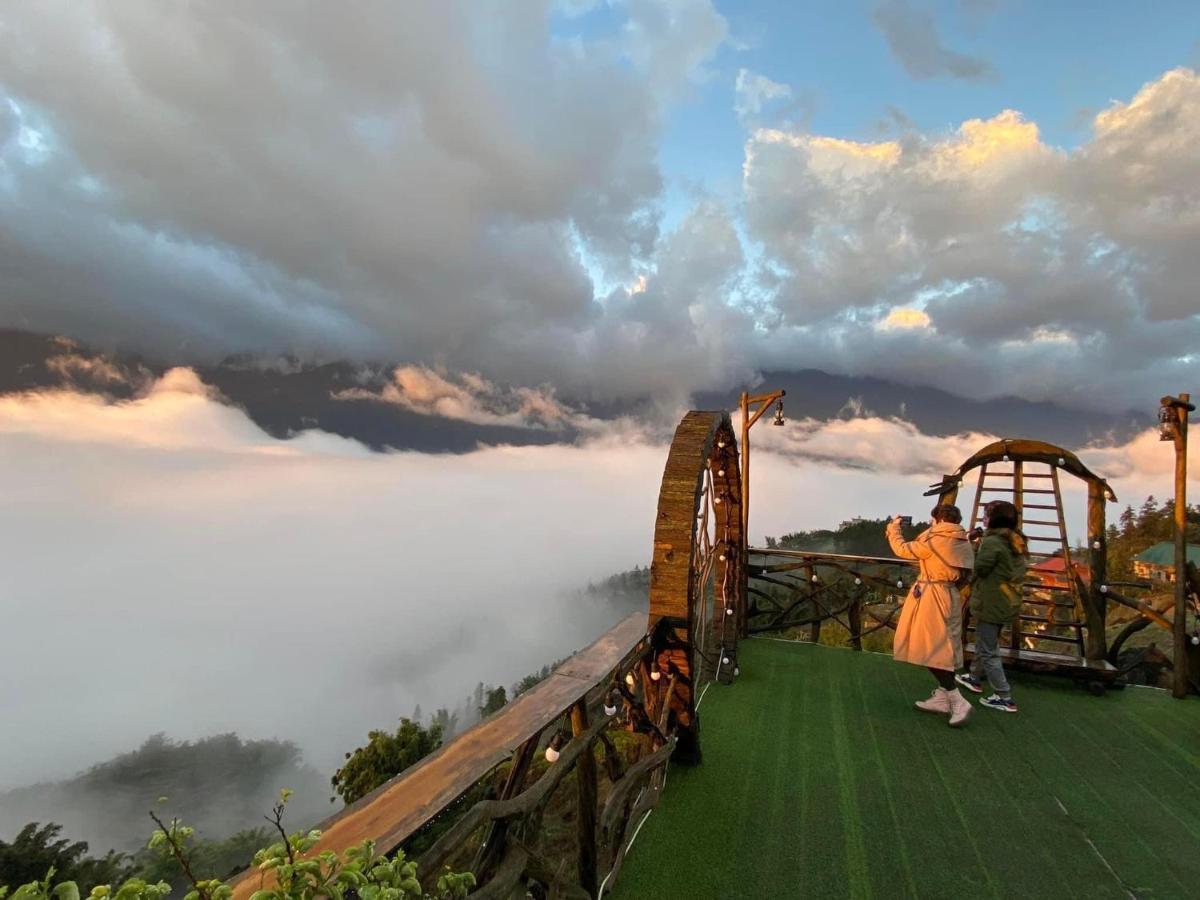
(696, 574)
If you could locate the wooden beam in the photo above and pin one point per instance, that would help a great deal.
(585, 771)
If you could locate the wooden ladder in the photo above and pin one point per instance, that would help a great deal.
(1034, 487)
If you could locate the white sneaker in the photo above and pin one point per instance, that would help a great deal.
(960, 708)
(938, 702)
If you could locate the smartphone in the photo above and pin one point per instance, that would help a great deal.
(905, 520)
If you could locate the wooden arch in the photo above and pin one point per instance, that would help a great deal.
(1024, 450)
(696, 574)
(1027, 451)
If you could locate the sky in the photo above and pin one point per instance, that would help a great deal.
(513, 202)
(619, 198)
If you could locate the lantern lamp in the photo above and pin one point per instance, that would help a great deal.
(554, 748)
(778, 413)
(1168, 422)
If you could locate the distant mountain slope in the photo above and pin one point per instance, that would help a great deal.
(284, 397)
(816, 394)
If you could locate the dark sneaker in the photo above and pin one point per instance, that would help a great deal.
(970, 682)
(1004, 704)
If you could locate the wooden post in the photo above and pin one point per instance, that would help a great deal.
(1018, 482)
(744, 544)
(745, 410)
(1096, 610)
(585, 774)
(855, 617)
(1180, 687)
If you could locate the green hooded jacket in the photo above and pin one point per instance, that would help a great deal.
(1000, 564)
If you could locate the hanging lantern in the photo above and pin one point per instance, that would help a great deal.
(778, 413)
(1168, 423)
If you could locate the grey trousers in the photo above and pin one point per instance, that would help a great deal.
(987, 658)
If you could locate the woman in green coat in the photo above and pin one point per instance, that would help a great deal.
(996, 597)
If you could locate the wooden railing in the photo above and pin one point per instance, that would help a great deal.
(575, 710)
(790, 589)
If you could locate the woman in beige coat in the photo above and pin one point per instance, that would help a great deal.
(930, 629)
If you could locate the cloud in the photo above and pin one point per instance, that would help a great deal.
(371, 183)
(753, 92)
(1040, 272)
(912, 36)
(470, 397)
(476, 188)
(168, 534)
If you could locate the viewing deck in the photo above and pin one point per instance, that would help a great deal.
(819, 779)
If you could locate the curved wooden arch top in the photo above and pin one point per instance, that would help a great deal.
(1026, 450)
(700, 439)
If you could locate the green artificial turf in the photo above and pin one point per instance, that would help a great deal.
(820, 780)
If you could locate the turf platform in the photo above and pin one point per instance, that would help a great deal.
(820, 780)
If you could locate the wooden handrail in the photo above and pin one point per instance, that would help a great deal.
(396, 810)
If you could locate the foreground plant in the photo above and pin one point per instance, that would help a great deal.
(286, 869)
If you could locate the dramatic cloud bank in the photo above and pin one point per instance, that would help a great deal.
(461, 185)
(171, 567)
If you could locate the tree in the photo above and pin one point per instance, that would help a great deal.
(494, 699)
(38, 849)
(385, 756)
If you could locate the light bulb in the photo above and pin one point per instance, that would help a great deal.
(724, 660)
(899, 584)
(729, 611)
(1095, 545)
(655, 675)
(815, 579)
(716, 500)
(610, 711)
(1196, 640)
(1006, 459)
(720, 473)
(552, 755)
(858, 581)
(721, 444)
(737, 671)
(629, 679)
(721, 557)
(1061, 461)
(1104, 588)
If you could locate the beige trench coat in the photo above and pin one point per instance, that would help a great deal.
(929, 632)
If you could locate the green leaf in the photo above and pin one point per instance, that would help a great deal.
(68, 890)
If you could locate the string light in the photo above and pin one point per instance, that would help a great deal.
(1104, 588)
(655, 675)
(554, 748)
(1061, 461)
(729, 610)
(1095, 545)
(629, 679)
(720, 473)
(610, 703)
(815, 579)
(858, 581)
(724, 660)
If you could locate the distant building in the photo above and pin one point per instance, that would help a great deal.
(1157, 563)
(1052, 572)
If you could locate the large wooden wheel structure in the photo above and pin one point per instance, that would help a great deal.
(697, 573)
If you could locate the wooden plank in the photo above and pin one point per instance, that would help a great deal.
(394, 811)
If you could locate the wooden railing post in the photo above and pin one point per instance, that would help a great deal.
(585, 773)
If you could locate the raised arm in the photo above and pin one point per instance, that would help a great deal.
(917, 549)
